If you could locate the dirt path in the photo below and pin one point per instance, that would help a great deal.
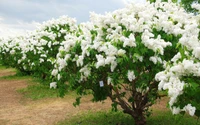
(14, 110)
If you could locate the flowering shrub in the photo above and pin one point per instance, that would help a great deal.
(126, 55)
(35, 51)
(118, 55)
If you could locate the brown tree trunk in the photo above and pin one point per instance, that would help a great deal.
(139, 117)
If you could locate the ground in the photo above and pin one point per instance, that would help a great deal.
(15, 109)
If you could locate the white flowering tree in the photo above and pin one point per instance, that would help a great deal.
(118, 55)
(125, 55)
(34, 52)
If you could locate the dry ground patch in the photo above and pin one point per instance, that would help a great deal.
(17, 110)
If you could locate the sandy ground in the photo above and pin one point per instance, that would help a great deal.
(16, 110)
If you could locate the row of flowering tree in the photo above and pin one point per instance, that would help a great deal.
(126, 55)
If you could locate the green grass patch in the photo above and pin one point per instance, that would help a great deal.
(38, 91)
(3, 67)
(119, 118)
(98, 118)
(15, 77)
(160, 117)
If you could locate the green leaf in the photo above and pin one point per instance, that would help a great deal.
(77, 103)
(114, 107)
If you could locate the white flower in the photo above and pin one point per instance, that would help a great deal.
(53, 85)
(113, 66)
(196, 52)
(100, 61)
(153, 59)
(54, 72)
(86, 71)
(188, 65)
(43, 55)
(41, 60)
(19, 61)
(109, 80)
(110, 59)
(196, 6)
(190, 109)
(61, 62)
(139, 90)
(176, 57)
(58, 76)
(121, 52)
(79, 61)
(176, 110)
(140, 58)
(131, 75)
(177, 68)
(12, 52)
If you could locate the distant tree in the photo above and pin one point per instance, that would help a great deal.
(185, 3)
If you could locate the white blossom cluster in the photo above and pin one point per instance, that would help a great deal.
(188, 108)
(170, 80)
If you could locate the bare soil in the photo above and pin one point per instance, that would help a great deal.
(16, 110)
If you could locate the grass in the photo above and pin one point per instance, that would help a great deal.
(2, 67)
(38, 91)
(15, 77)
(98, 118)
(119, 118)
(167, 118)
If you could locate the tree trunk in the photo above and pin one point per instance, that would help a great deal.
(139, 118)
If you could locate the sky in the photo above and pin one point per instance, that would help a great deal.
(18, 16)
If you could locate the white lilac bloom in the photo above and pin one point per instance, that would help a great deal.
(12, 52)
(86, 71)
(110, 59)
(54, 72)
(53, 85)
(155, 59)
(79, 61)
(176, 110)
(59, 76)
(121, 52)
(113, 66)
(190, 109)
(109, 81)
(131, 75)
(196, 6)
(176, 57)
(100, 61)
(61, 62)
(41, 60)
(196, 52)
